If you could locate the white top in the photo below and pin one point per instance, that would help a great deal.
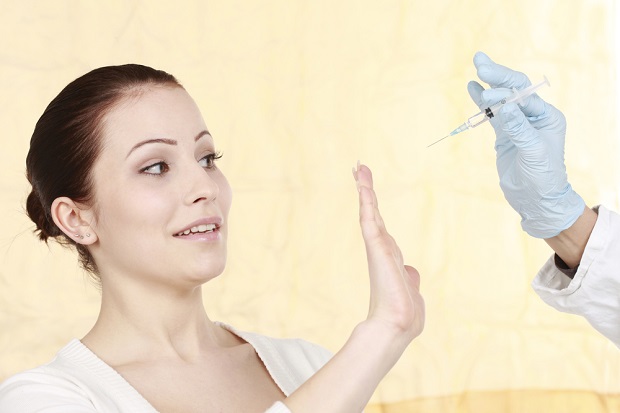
(77, 381)
(594, 291)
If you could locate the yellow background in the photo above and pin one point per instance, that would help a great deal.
(295, 92)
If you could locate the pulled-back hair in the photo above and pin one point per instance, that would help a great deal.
(66, 142)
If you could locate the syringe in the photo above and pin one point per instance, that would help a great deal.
(486, 114)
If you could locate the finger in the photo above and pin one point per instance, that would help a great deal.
(414, 275)
(485, 98)
(370, 221)
(481, 58)
(498, 76)
(370, 218)
(364, 178)
(501, 76)
(493, 96)
(364, 175)
(521, 133)
(533, 107)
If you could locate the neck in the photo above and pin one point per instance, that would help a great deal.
(143, 322)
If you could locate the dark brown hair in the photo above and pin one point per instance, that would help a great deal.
(66, 142)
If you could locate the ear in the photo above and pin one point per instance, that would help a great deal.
(74, 220)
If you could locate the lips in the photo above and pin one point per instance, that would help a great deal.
(202, 226)
(199, 228)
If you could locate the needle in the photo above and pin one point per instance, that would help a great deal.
(438, 141)
(484, 115)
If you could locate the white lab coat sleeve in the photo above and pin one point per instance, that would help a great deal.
(594, 291)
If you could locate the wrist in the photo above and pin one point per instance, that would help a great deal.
(549, 216)
(387, 339)
(570, 244)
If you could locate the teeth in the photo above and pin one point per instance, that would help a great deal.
(199, 228)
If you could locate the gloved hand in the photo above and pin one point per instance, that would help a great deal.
(530, 152)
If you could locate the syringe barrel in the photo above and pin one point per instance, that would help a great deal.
(478, 119)
(519, 95)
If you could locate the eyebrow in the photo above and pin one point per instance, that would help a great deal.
(164, 141)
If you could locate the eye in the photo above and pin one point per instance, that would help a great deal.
(208, 161)
(158, 168)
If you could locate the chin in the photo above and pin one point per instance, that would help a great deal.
(202, 275)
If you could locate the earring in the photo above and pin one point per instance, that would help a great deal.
(88, 235)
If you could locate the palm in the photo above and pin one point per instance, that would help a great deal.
(395, 298)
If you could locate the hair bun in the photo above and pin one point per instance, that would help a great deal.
(46, 228)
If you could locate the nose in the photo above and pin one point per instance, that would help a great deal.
(201, 186)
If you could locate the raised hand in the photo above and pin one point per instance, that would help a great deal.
(395, 318)
(395, 300)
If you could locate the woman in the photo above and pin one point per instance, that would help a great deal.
(123, 168)
(582, 276)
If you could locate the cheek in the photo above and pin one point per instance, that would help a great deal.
(130, 210)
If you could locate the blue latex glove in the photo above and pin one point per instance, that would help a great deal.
(530, 152)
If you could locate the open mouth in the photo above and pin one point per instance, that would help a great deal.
(197, 229)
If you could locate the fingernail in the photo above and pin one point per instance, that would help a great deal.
(358, 164)
(357, 183)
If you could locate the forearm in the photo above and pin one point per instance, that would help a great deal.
(348, 380)
(571, 243)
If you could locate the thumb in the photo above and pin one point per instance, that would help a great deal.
(475, 92)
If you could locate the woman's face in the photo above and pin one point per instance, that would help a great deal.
(161, 203)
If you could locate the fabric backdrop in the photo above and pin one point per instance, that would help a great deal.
(295, 92)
